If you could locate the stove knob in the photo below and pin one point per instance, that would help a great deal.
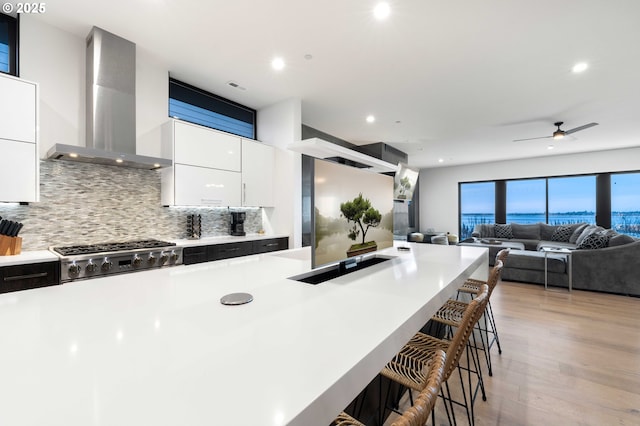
(106, 265)
(91, 267)
(151, 260)
(137, 261)
(174, 256)
(74, 270)
(163, 258)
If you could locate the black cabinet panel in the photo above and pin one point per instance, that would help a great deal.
(191, 255)
(24, 277)
(272, 244)
(226, 251)
(200, 254)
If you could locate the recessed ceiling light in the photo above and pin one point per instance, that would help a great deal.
(580, 67)
(382, 11)
(308, 56)
(440, 160)
(73, 155)
(370, 119)
(119, 160)
(550, 147)
(277, 64)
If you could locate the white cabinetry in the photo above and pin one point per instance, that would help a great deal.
(257, 174)
(213, 168)
(206, 166)
(19, 166)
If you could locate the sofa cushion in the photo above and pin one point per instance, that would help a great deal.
(503, 230)
(484, 230)
(577, 231)
(534, 260)
(562, 233)
(594, 241)
(620, 240)
(546, 231)
(588, 230)
(526, 232)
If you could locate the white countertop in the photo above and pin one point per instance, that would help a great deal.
(35, 256)
(157, 347)
(225, 239)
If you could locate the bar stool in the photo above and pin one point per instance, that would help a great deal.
(470, 287)
(407, 368)
(419, 412)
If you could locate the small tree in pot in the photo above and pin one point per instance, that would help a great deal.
(364, 216)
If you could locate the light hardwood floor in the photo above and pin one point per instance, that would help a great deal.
(567, 359)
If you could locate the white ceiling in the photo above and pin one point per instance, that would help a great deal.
(457, 80)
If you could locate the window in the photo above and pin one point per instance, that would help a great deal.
(197, 106)
(527, 201)
(625, 203)
(572, 200)
(8, 45)
(477, 205)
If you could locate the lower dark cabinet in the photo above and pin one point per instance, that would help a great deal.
(273, 244)
(200, 254)
(28, 276)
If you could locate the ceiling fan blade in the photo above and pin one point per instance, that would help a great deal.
(530, 139)
(577, 129)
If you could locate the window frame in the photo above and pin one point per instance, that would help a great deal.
(217, 104)
(13, 27)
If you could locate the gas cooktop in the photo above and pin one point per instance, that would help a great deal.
(95, 260)
(109, 247)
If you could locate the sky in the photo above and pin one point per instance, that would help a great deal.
(565, 195)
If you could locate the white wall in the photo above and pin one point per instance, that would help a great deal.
(55, 59)
(279, 125)
(439, 186)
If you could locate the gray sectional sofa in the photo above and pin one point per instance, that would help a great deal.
(602, 259)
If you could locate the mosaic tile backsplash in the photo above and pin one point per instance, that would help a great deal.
(89, 203)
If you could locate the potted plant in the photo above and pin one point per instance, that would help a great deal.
(363, 216)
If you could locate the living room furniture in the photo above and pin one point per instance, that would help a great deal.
(565, 251)
(612, 268)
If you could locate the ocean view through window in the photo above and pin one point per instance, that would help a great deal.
(556, 201)
(625, 203)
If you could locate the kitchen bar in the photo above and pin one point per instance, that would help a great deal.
(158, 348)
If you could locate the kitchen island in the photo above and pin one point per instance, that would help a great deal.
(158, 348)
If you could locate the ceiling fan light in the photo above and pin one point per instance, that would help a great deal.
(558, 135)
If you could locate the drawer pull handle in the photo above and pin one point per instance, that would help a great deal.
(26, 277)
(271, 245)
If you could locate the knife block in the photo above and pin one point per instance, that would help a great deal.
(10, 245)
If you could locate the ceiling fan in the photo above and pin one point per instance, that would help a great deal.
(559, 133)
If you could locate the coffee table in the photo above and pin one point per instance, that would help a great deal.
(494, 247)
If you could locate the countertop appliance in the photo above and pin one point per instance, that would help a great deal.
(237, 223)
(97, 260)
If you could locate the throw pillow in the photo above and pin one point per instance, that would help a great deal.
(576, 232)
(591, 229)
(594, 241)
(562, 233)
(620, 240)
(503, 231)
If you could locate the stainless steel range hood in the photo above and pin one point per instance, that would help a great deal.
(110, 105)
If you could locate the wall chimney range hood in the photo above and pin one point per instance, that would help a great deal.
(319, 148)
(110, 107)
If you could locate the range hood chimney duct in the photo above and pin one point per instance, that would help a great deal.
(110, 106)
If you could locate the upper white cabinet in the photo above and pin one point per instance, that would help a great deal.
(199, 146)
(213, 168)
(257, 174)
(19, 163)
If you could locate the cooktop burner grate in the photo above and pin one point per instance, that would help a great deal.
(110, 247)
